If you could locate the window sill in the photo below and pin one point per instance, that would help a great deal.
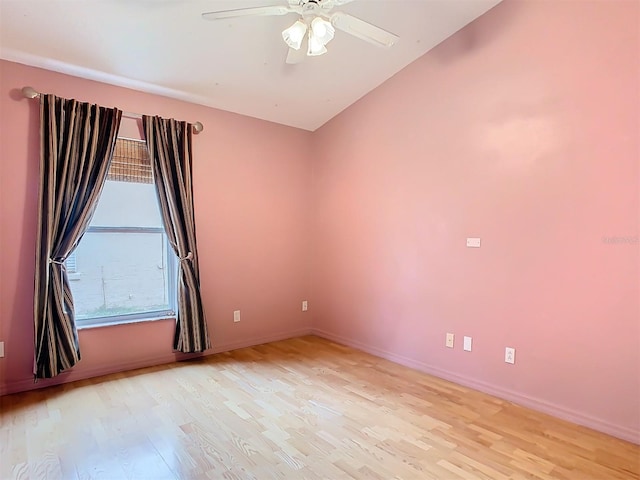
(81, 325)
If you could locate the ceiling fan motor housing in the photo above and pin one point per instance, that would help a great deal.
(310, 7)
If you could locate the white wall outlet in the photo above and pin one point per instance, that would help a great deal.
(1, 349)
(473, 242)
(467, 344)
(305, 305)
(449, 341)
(510, 355)
(236, 316)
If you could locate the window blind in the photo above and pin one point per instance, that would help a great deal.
(130, 162)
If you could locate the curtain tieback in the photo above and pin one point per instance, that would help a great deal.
(57, 262)
(188, 257)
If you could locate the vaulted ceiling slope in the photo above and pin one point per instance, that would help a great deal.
(165, 47)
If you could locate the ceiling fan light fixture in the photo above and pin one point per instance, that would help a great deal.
(322, 30)
(294, 35)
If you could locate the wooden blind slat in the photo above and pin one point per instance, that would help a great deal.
(130, 162)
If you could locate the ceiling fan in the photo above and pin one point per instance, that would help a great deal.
(315, 27)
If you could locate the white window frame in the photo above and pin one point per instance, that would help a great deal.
(151, 315)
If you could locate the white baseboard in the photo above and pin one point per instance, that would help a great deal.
(619, 431)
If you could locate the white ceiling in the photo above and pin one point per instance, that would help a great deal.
(164, 47)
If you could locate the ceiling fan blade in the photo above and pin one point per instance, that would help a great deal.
(245, 12)
(339, 3)
(363, 30)
(296, 56)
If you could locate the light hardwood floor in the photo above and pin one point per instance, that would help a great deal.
(304, 408)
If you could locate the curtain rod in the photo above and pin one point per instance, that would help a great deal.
(30, 92)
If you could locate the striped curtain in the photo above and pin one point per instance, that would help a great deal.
(169, 144)
(76, 145)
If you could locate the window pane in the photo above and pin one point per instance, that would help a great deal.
(70, 263)
(121, 273)
(124, 204)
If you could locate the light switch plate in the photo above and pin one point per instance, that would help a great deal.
(236, 316)
(473, 242)
(305, 305)
(1, 349)
(467, 344)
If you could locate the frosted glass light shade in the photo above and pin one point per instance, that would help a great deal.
(322, 30)
(294, 35)
(316, 47)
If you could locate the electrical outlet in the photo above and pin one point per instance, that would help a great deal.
(510, 355)
(305, 305)
(449, 342)
(467, 344)
(236, 316)
(1, 349)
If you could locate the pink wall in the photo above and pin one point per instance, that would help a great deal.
(522, 129)
(252, 197)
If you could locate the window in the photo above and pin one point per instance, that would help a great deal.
(71, 263)
(126, 267)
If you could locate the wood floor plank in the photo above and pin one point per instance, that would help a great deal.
(303, 408)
